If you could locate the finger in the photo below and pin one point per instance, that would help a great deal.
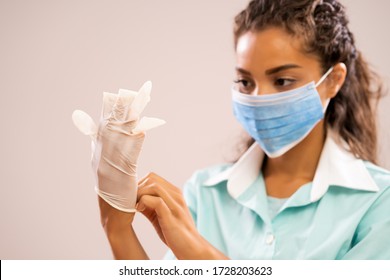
(147, 123)
(143, 97)
(126, 92)
(109, 100)
(119, 109)
(155, 189)
(175, 193)
(156, 204)
(149, 186)
(153, 177)
(158, 191)
(153, 182)
(127, 98)
(141, 100)
(146, 88)
(84, 123)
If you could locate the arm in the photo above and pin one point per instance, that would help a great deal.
(116, 145)
(163, 204)
(120, 233)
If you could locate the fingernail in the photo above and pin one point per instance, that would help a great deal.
(140, 207)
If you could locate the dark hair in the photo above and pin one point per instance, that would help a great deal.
(323, 26)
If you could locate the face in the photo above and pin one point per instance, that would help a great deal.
(273, 61)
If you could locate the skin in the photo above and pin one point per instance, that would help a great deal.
(163, 205)
(263, 66)
(273, 61)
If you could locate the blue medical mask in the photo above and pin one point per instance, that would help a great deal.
(280, 121)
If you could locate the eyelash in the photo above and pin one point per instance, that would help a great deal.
(246, 82)
(290, 81)
(241, 81)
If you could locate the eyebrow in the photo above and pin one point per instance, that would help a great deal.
(272, 70)
(243, 71)
(281, 68)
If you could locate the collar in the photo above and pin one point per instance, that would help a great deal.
(335, 167)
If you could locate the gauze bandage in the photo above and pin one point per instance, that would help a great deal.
(116, 144)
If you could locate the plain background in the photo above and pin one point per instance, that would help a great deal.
(57, 56)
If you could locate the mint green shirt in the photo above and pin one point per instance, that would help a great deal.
(344, 213)
(274, 204)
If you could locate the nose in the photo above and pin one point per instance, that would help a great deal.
(262, 90)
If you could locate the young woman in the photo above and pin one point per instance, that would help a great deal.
(307, 187)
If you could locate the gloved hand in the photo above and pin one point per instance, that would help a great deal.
(116, 144)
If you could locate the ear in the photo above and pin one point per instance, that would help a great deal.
(336, 79)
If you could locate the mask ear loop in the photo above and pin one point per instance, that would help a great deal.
(319, 82)
(324, 76)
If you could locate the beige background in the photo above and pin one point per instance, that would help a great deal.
(57, 56)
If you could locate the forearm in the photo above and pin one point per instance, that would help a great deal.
(190, 245)
(211, 253)
(125, 244)
(119, 231)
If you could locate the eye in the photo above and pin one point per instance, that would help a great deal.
(241, 82)
(244, 86)
(284, 82)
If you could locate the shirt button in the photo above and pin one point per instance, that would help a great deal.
(270, 239)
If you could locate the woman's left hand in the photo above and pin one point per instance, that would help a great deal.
(163, 204)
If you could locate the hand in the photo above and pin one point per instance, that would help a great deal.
(116, 144)
(114, 161)
(163, 204)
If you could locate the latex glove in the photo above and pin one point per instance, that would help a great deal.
(117, 143)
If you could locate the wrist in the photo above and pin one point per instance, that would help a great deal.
(112, 218)
(116, 233)
(125, 244)
(117, 225)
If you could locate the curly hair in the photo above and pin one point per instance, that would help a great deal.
(323, 27)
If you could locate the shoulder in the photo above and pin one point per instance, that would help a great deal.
(379, 201)
(380, 175)
(373, 229)
(195, 188)
(201, 176)
(379, 205)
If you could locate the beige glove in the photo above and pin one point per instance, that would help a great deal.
(117, 143)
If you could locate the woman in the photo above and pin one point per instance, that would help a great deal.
(307, 188)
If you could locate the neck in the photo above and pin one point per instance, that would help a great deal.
(295, 167)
